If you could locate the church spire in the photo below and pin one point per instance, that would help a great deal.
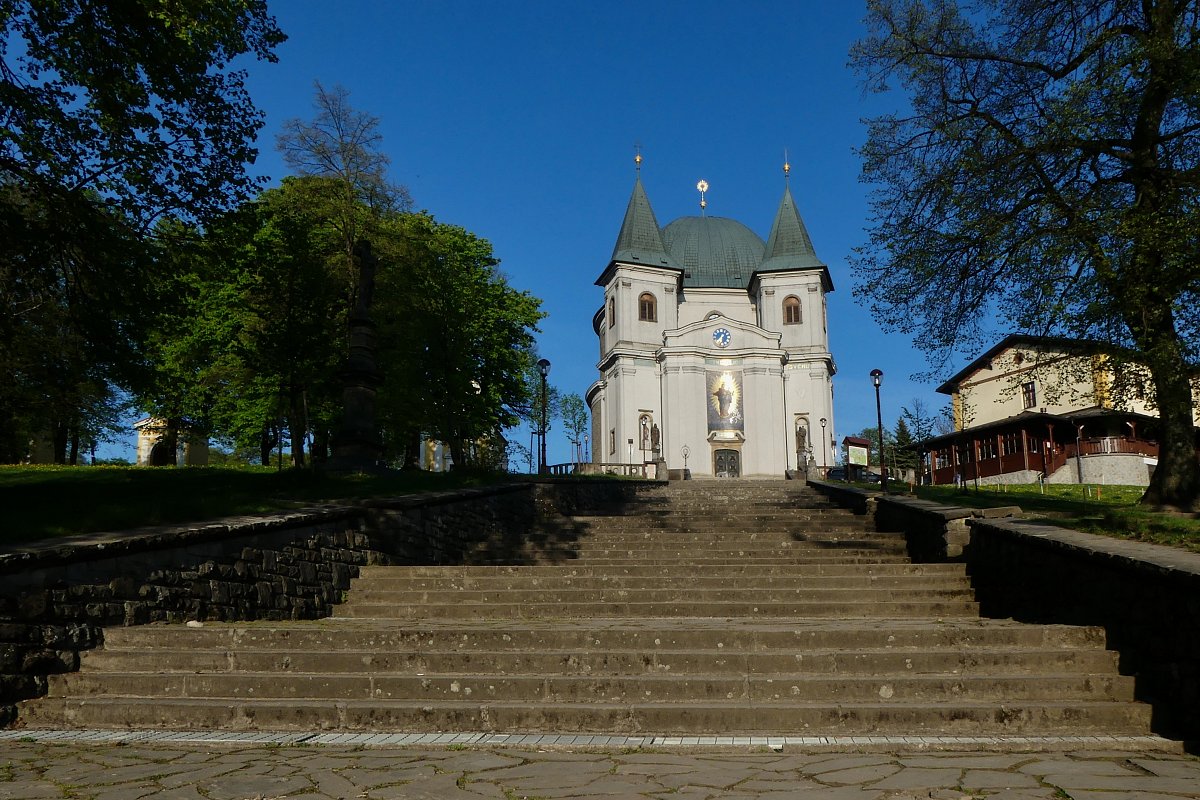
(788, 246)
(640, 240)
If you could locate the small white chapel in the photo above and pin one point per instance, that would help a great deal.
(714, 349)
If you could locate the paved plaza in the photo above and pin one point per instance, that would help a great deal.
(227, 769)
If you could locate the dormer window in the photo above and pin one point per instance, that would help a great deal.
(791, 310)
(647, 308)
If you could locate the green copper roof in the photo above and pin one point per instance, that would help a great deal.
(788, 246)
(714, 251)
(640, 241)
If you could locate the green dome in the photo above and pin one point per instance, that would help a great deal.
(714, 251)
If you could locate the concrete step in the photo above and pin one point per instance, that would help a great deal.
(600, 634)
(727, 571)
(698, 561)
(586, 551)
(282, 660)
(687, 689)
(452, 579)
(726, 609)
(543, 595)
(947, 716)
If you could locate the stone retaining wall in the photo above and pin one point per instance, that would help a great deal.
(55, 598)
(1147, 598)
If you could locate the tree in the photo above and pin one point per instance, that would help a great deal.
(1045, 179)
(250, 328)
(133, 101)
(574, 414)
(904, 456)
(455, 340)
(341, 146)
(114, 115)
(918, 419)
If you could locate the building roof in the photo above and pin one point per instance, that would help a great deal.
(788, 246)
(640, 240)
(1025, 418)
(1013, 340)
(713, 252)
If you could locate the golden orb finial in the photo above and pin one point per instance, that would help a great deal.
(637, 158)
(702, 187)
(787, 168)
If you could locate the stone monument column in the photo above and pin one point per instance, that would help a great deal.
(356, 444)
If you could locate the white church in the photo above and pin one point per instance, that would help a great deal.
(714, 351)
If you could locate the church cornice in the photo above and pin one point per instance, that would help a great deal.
(822, 271)
(674, 274)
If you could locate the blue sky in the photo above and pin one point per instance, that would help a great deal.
(518, 122)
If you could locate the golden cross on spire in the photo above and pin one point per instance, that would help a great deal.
(787, 168)
(637, 158)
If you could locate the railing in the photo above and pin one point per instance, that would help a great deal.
(1114, 444)
(1065, 451)
(588, 468)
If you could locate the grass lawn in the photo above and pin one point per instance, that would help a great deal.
(1106, 510)
(38, 502)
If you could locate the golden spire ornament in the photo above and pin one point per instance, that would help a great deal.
(637, 158)
(702, 187)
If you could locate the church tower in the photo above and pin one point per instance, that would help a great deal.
(714, 352)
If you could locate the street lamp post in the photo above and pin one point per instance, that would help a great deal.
(544, 368)
(877, 379)
(824, 448)
(587, 449)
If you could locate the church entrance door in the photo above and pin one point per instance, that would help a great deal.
(727, 464)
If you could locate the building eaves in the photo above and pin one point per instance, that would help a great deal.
(1076, 346)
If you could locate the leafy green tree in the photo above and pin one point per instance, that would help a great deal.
(252, 336)
(1046, 177)
(455, 339)
(114, 114)
(574, 414)
(903, 455)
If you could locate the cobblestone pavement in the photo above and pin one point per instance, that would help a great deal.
(43, 770)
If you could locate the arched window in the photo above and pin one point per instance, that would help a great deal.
(612, 312)
(791, 310)
(647, 308)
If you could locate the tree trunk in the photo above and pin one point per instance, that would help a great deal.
(297, 426)
(73, 458)
(266, 443)
(171, 439)
(458, 454)
(412, 450)
(320, 445)
(60, 442)
(1176, 480)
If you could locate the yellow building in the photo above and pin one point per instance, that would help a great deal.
(1041, 408)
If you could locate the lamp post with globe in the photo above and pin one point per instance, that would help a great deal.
(877, 379)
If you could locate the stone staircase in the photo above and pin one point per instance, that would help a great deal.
(729, 607)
